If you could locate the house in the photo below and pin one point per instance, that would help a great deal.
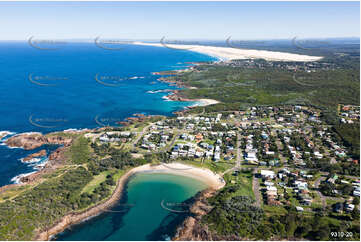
(262, 163)
(272, 188)
(251, 156)
(271, 193)
(267, 174)
(318, 155)
(104, 138)
(349, 207)
(217, 156)
(299, 209)
(267, 183)
(338, 208)
(356, 192)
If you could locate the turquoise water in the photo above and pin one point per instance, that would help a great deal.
(140, 215)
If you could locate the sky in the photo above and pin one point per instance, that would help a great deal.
(179, 20)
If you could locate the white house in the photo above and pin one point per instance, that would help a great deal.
(267, 174)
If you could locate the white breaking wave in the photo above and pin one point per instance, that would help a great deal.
(16, 179)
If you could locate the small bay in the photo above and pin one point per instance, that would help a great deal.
(142, 213)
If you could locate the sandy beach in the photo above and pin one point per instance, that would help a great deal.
(205, 102)
(200, 102)
(228, 53)
(213, 180)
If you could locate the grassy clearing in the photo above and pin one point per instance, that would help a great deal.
(217, 167)
(274, 210)
(80, 151)
(13, 192)
(89, 188)
(244, 180)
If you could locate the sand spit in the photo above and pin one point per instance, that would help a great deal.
(228, 53)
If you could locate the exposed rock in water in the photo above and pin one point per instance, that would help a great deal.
(35, 155)
(30, 141)
(56, 159)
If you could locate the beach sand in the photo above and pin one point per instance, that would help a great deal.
(206, 102)
(213, 180)
(228, 53)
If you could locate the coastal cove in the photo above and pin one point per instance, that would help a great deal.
(141, 199)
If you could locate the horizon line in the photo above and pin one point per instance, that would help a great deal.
(186, 39)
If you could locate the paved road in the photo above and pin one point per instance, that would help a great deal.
(140, 134)
(239, 152)
(322, 197)
(255, 187)
(237, 166)
(177, 134)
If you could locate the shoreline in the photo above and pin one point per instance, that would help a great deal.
(213, 180)
(5, 135)
(202, 102)
(229, 53)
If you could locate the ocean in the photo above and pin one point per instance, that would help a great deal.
(79, 85)
(144, 211)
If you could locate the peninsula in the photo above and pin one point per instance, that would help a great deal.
(229, 53)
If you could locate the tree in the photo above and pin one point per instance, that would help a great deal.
(356, 201)
(355, 214)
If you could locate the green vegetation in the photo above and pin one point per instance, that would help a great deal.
(217, 167)
(243, 181)
(42, 205)
(93, 168)
(234, 215)
(237, 216)
(350, 135)
(89, 178)
(89, 188)
(237, 86)
(79, 151)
